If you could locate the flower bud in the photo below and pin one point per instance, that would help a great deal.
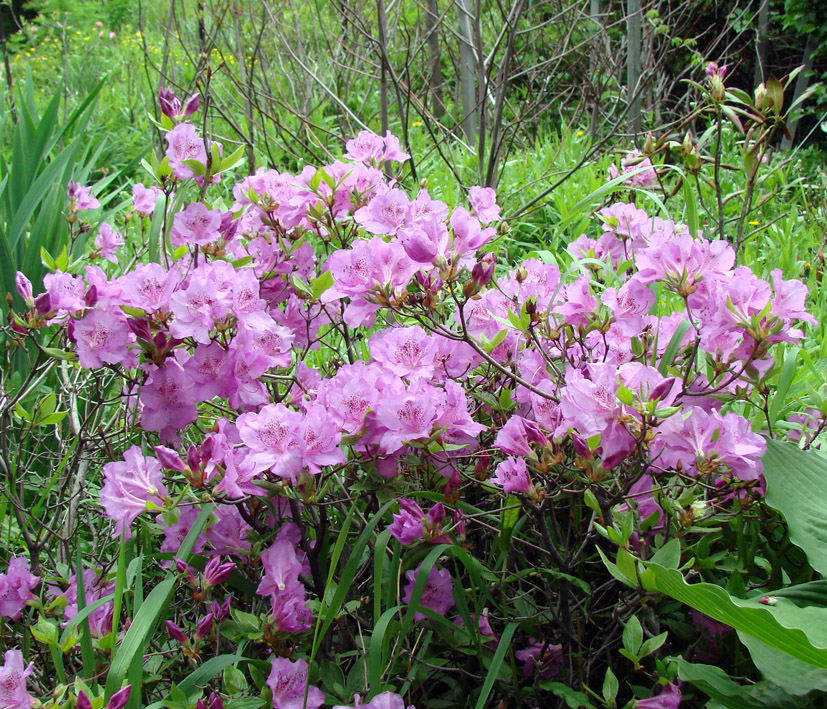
(760, 96)
(24, 288)
(481, 273)
(169, 459)
(170, 105)
(120, 698)
(215, 572)
(204, 627)
(175, 632)
(140, 328)
(82, 701)
(192, 104)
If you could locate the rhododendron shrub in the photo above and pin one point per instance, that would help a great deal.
(386, 451)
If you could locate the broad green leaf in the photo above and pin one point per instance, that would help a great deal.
(799, 632)
(717, 684)
(793, 676)
(797, 488)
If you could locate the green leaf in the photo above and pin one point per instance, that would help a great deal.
(232, 159)
(673, 347)
(652, 644)
(234, 680)
(62, 261)
(669, 555)
(717, 684)
(691, 208)
(321, 284)
(633, 635)
(58, 354)
(497, 661)
(47, 260)
(45, 631)
(145, 620)
(793, 676)
(610, 687)
(199, 677)
(799, 632)
(197, 167)
(797, 488)
(812, 593)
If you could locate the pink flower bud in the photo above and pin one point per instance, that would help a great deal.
(192, 104)
(24, 288)
(170, 105)
(82, 701)
(204, 627)
(215, 572)
(221, 611)
(140, 329)
(169, 459)
(193, 459)
(176, 633)
(120, 698)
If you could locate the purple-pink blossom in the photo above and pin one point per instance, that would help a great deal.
(13, 674)
(16, 587)
(288, 682)
(130, 487)
(437, 595)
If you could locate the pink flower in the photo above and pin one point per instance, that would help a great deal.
(288, 681)
(484, 204)
(107, 242)
(144, 199)
(175, 533)
(579, 304)
(66, 293)
(16, 587)
(468, 236)
(406, 417)
(437, 595)
(80, 197)
(196, 225)
(704, 443)
(367, 147)
(629, 304)
(512, 476)
(631, 164)
(712, 69)
(13, 694)
(405, 351)
(95, 588)
(385, 214)
(517, 436)
(272, 435)
(129, 487)
(407, 523)
(148, 287)
(102, 337)
(184, 144)
(546, 658)
(319, 438)
(393, 151)
(171, 104)
(168, 398)
(669, 698)
(385, 700)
